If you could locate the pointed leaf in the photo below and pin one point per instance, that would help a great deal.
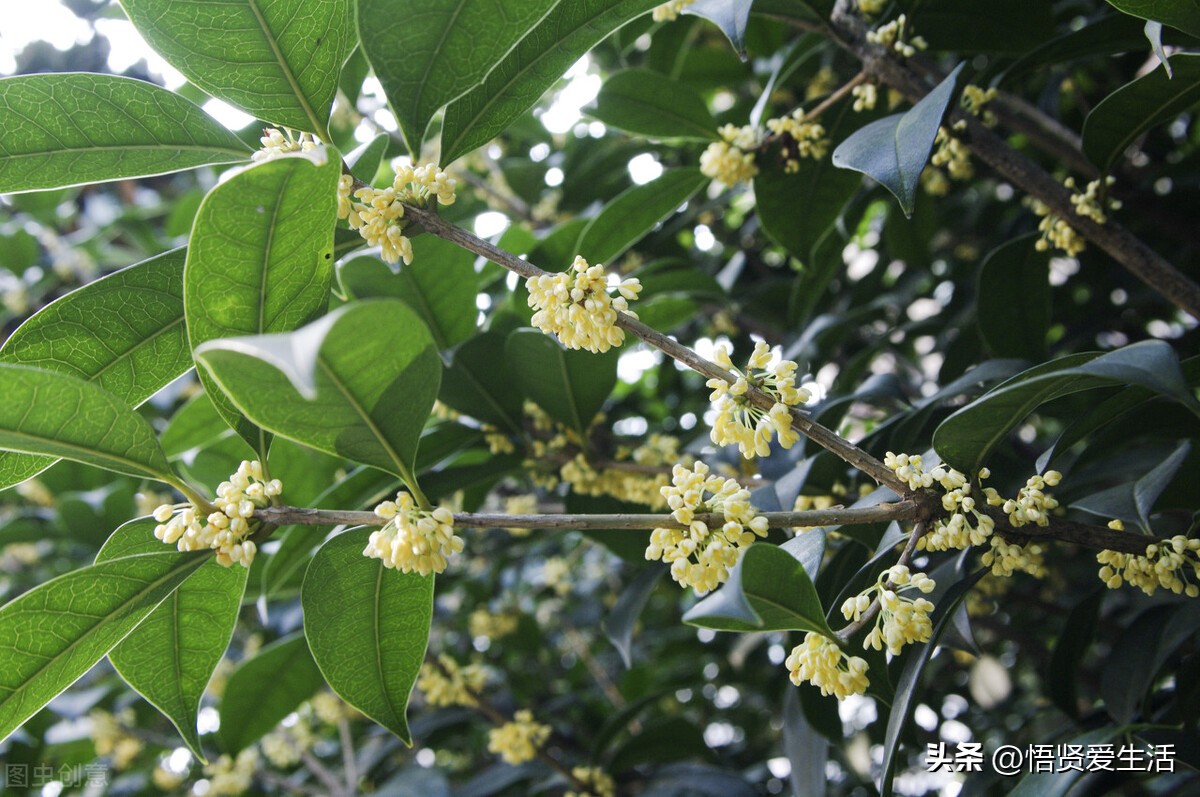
(267, 57)
(651, 104)
(571, 386)
(805, 747)
(364, 160)
(170, 657)
(731, 16)
(55, 632)
(529, 68)
(894, 150)
(358, 383)
(261, 258)
(619, 624)
(439, 285)
(1131, 110)
(367, 627)
(1184, 16)
(1133, 500)
(768, 590)
(965, 438)
(1013, 300)
(1153, 31)
(456, 43)
(70, 129)
(265, 689)
(479, 383)
(56, 415)
(626, 219)
(123, 332)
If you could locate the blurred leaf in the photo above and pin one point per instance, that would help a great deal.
(571, 386)
(664, 739)
(1110, 34)
(1132, 501)
(364, 159)
(894, 150)
(533, 65)
(171, 655)
(806, 749)
(631, 215)
(425, 64)
(479, 383)
(1013, 300)
(731, 16)
(999, 26)
(1121, 117)
(123, 332)
(1069, 649)
(265, 58)
(260, 260)
(194, 426)
(101, 127)
(648, 103)
(265, 689)
(1059, 782)
(367, 627)
(90, 610)
(619, 624)
(358, 383)
(1185, 16)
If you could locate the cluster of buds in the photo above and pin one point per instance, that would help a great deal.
(1172, 564)
(737, 420)
(974, 101)
(865, 96)
(823, 663)
(519, 740)
(378, 215)
(576, 307)
(701, 557)
(894, 37)
(413, 540)
(445, 683)
(277, 142)
(731, 161)
(670, 11)
(228, 531)
(800, 138)
(1032, 504)
(1006, 558)
(595, 783)
(902, 620)
(1093, 202)
(966, 525)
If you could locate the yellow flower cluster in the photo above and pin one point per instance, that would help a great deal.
(974, 99)
(596, 783)
(700, 557)
(1173, 564)
(109, 735)
(801, 139)
(520, 505)
(670, 11)
(1006, 558)
(413, 540)
(872, 8)
(731, 161)
(901, 620)
(822, 83)
(894, 37)
(518, 741)
(1093, 202)
(575, 305)
(493, 626)
(865, 96)
(966, 525)
(449, 684)
(276, 142)
(1032, 504)
(822, 662)
(910, 469)
(378, 215)
(228, 530)
(231, 776)
(330, 709)
(952, 154)
(286, 745)
(497, 441)
(737, 420)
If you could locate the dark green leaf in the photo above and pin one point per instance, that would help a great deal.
(1070, 647)
(806, 749)
(264, 56)
(194, 426)
(625, 220)
(731, 16)
(1013, 300)
(364, 160)
(56, 415)
(170, 656)
(619, 624)
(1185, 16)
(531, 67)
(55, 632)
(260, 258)
(650, 104)
(571, 386)
(123, 332)
(358, 383)
(367, 628)
(1131, 110)
(479, 383)
(265, 689)
(1140, 651)
(999, 26)
(425, 64)
(894, 150)
(1133, 500)
(1058, 781)
(70, 129)
(768, 590)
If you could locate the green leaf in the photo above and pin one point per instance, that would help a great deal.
(999, 26)
(367, 627)
(170, 657)
(194, 426)
(1131, 110)
(626, 219)
(1013, 300)
(1184, 16)
(529, 68)
(56, 415)
(364, 160)
(123, 332)
(424, 65)
(619, 624)
(651, 104)
(1069, 648)
(805, 747)
(440, 286)
(895, 149)
(265, 689)
(768, 590)
(965, 438)
(731, 16)
(479, 383)
(260, 258)
(1059, 778)
(358, 383)
(1153, 31)
(1133, 500)
(268, 57)
(71, 129)
(55, 632)
(571, 386)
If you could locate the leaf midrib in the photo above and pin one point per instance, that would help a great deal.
(286, 68)
(240, 153)
(133, 465)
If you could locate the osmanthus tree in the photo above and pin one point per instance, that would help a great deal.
(872, 324)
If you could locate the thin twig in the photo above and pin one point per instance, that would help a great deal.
(349, 760)
(323, 774)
